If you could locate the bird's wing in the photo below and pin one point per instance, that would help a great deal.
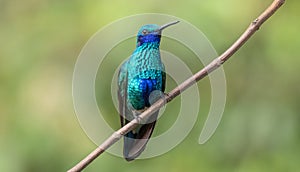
(134, 141)
(163, 73)
(122, 93)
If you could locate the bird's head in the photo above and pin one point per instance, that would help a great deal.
(151, 33)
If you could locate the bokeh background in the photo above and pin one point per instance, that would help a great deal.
(40, 41)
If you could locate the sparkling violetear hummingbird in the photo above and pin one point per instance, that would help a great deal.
(140, 75)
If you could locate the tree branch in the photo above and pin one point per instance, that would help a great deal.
(254, 26)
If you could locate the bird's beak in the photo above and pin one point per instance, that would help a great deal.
(167, 25)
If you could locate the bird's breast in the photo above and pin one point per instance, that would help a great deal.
(139, 90)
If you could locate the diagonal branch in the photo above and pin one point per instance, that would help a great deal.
(254, 26)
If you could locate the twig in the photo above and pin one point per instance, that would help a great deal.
(254, 26)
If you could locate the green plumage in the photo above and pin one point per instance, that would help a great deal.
(139, 76)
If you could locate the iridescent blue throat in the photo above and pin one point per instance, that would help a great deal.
(150, 38)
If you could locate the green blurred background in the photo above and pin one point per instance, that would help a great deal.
(39, 44)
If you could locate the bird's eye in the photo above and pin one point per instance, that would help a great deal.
(144, 31)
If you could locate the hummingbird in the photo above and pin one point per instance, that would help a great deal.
(138, 77)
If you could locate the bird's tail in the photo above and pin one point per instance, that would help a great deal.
(135, 143)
